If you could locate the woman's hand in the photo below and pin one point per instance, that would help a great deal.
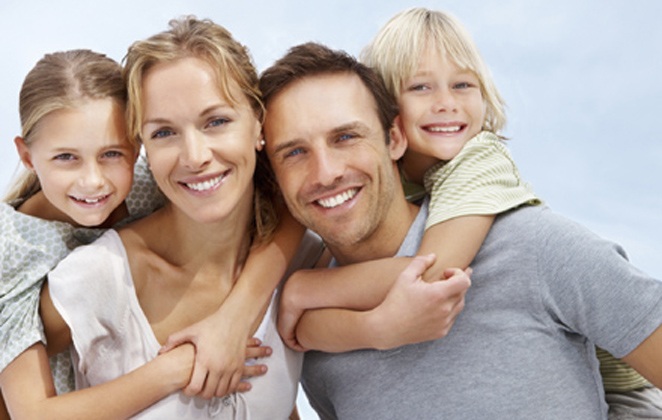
(221, 352)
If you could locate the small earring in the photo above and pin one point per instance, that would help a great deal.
(262, 142)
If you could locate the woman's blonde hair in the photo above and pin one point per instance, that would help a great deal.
(233, 67)
(396, 50)
(62, 80)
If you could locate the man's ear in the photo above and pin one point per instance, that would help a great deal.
(23, 152)
(398, 144)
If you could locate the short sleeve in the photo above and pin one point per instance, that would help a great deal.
(482, 179)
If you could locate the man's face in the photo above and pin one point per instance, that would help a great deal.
(330, 156)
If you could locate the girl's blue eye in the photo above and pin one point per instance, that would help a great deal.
(113, 154)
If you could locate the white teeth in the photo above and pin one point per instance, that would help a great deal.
(338, 199)
(206, 185)
(445, 129)
(89, 200)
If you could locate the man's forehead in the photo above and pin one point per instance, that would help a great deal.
(321, 104)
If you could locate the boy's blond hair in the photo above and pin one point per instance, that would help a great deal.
(396, 50)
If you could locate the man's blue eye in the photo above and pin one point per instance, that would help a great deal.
(293, 152)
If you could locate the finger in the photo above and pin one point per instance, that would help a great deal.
(253, 342)
(417, 266)
(244, 386)
(234, 381)
(213, 383)
(256, 352)
(250, 371)
(175, 340)
(222, 388)
(197, 381)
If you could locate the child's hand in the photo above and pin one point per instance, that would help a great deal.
(177, 364)
(289, 314)
(416, 311)
(220, 356)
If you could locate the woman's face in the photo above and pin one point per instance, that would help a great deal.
(200, 147)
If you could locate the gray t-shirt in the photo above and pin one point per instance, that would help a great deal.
(544, 292)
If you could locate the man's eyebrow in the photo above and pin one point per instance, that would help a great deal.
(286, 145)
(351, 126)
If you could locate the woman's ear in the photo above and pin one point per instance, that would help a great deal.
(259, 145)
(398, 143)
(24, 152)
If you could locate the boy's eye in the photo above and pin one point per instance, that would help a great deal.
(463, 85)
(418, 87)
(64, 157)
(346, 136)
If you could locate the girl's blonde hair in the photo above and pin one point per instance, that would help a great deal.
(62, 80)
(233, 67)
(396, 50)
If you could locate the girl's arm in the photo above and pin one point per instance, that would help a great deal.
(27, 386)
(220, 339)
(362, 287)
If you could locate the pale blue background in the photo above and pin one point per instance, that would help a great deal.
(582, 80)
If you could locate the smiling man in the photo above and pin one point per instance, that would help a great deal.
(545, 290)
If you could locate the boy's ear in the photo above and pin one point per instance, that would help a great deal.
(398, 144)
(23, 152)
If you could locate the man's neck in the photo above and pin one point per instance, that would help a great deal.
(384, 242)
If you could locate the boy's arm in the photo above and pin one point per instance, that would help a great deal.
(28, 389)
(220, 339)
(455, 242)
(412, 311)
(647, 358)
(364, 286)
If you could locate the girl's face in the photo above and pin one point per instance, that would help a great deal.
(83, 160)
(441, 107)
(200, 147)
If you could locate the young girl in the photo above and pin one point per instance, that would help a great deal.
(451, 114)
(80, 169)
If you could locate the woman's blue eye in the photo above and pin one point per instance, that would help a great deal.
(159, 134)
(218, 122)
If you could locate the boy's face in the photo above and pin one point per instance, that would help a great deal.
(441, 107)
